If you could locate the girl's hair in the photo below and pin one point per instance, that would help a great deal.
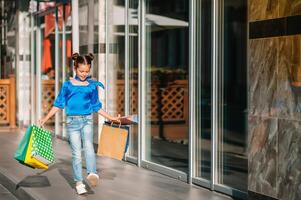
(85, 59)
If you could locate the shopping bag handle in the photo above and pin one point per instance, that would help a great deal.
(43, 127)
(38, 125)
(112, 122)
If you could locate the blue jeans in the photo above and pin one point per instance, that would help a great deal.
(80, 129)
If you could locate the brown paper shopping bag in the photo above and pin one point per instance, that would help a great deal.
(112, 141)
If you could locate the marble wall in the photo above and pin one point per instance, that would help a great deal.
(271, 9)
(275, 105)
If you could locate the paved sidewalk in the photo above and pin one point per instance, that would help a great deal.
(119, 180)
(5, 194)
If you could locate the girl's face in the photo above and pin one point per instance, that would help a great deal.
(82, 71)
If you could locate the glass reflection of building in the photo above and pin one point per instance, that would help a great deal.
(181, 67)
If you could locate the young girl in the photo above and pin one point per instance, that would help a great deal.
(80, 97)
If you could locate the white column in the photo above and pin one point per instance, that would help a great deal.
(75, 26)
(102, 56)
(23, 65)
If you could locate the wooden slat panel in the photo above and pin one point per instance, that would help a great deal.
(48, 96)
(173, 99)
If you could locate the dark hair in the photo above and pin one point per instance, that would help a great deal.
(78, 59)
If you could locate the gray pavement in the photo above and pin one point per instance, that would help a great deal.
(118, 180)
(5, 194)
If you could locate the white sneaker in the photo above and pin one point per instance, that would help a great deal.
(81, 189)
(93, 179)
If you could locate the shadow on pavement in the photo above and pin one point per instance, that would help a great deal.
(34, 181)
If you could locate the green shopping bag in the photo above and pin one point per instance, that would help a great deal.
(35, 149)
(42, 145)
(21, 151)
(30, 160)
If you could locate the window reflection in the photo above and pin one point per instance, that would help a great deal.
(203, 88)
(233, 162)
(133, 72)
(167, 34)
(88, 16)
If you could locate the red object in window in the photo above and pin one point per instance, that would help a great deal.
(49, 25)
(50, 19)
(46, 60)
(69, 48)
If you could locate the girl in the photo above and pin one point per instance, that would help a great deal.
(80, 97)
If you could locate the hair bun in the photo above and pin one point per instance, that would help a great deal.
(90, 56)
(75, 56)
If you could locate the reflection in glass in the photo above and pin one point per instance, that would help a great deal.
(47, 66)
(233, 163)
(65, 36)
(88, 39)
(83, 19)
(61, 119)
(133, 73)
(203, 88)
(167, 41)
(115, 55)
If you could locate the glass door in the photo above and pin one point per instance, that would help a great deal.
(166, 87)
(115, 57)
(52, 66)
(64, 65)
(232, 141)
(88, 43)
(203, 87)
(220, 59)
(46, 66)
(131, 73)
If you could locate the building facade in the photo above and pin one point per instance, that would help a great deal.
(215, 84)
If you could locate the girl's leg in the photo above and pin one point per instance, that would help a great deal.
(74, 136)
(87, 133)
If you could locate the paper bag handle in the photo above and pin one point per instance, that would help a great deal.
(113, 123)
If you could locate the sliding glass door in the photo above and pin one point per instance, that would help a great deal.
(166, 87)
(51, 50)
(220, 61)
(232, 141)
(88, 43)
(132, 71)
(203, 88)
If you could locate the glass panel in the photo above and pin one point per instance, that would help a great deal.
(8, 53)
(88, 37)
(83, 25)
(203, 88)
(47, 67)
(167, 47)
(93, 40)
(133, 73)
(115, 67)
(65, 70)
(62, 126)
(68, 31)
(33, 74)
(233, 163)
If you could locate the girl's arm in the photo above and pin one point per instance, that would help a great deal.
(109, 117)
(49, 115)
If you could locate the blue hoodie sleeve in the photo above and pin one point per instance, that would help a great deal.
(61, 99)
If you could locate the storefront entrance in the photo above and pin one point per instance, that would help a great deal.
(51, 47)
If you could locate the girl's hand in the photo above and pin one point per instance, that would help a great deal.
(115, 119)
(42, 121)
